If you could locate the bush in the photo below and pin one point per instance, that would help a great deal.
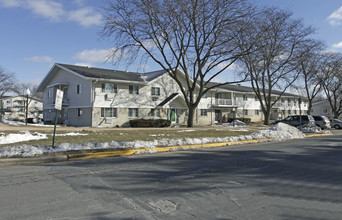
(149, 123)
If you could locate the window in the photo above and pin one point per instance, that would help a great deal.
(8, 101)
(109, 88)
(256, 98)
(289, 112)
(245, 112)
(283, 112)
(245, 97)
(256, 112)
(134, 90)
(204, 112)
(133, 113)
(155, 91)
(79, 89)
(79, 113)
(295, 111)
(218, 95)
(155, 112)
(49, 93)
(108, 112)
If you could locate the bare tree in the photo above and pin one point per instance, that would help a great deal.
(273, 63)
(21, 87)
(331, 81)
(6, 81)
(310, 65)
(193, 40)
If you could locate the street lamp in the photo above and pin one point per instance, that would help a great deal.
(28, 92)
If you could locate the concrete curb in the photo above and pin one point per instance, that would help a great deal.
(128, 152)
(317, 135)
(32, 160)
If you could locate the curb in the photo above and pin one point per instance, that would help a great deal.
(317, 135)
(33, 160)
(159, 149)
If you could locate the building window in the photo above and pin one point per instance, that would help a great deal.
(295, 111)
(108, 112)
(49, 93)
(204, 112)
(256, 112)
(218, 95)
(155, 112)
(133, 112)
(134, 90)
(256, 98)
(289, 112)
(325, 111)
(245, 97)
(109, 88)
(155, 91)
(8, 101)
(245, 112)
(283, 112)
(79, 113)
(79, 89)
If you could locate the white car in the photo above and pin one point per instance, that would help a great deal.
(336, 123)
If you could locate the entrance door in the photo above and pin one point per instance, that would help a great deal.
(218, 115)
(173, 115)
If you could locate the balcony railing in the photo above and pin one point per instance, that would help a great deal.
(223, 102)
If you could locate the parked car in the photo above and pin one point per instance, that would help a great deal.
(297, 120)
(336, 123)
(322, 121)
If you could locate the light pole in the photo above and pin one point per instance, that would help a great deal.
(28, 92)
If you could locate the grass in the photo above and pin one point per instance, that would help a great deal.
(130, 134)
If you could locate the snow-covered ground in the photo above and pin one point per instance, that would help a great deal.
(279, 131)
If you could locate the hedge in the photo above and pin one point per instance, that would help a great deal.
(149, 123)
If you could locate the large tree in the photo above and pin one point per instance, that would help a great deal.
(6, 81)
(331, 81)
(278, 43)
(193, 40)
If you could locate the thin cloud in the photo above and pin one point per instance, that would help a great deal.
(54, 11)
(93, 56)
(86, 16)
(338, 45)
(39, 59)
(336, 17)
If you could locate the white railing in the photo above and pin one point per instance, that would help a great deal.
(223, 102)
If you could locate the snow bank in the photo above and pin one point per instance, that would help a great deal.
(279, 131)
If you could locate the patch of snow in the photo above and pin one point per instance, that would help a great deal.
(26, 136)
(72, 134)
(240, 130)
(235, 123)
(17, 123)
(279, 131)
(186, 131)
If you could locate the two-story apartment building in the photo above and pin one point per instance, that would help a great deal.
(18, 103)
(103, 97)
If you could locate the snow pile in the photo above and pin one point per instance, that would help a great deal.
(310, 128)
(17, 123)
(235, 123)
(25, 136)
(279, 131)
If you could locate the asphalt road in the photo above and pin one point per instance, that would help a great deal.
(299, 179)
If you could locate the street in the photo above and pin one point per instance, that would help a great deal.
(298, 179)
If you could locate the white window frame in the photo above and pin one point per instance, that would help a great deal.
(257, 112)
(109, 88)
(245, 112)
(155, 91)
(133, 113)
(244, 97)
(79, 113)
(79, 89)
(204, 112)
(133, 89)
(113, 114)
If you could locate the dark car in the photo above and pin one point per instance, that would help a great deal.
(297, 120)
(322, 121)
(336, 123)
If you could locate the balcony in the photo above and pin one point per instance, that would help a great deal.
(223, 102)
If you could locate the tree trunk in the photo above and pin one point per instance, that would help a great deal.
(191, 115)
(267, 117)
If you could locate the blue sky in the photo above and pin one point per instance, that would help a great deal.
(35, 34)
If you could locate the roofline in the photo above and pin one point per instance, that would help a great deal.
(117, 80)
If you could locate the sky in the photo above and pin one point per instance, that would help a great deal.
(35, 34)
